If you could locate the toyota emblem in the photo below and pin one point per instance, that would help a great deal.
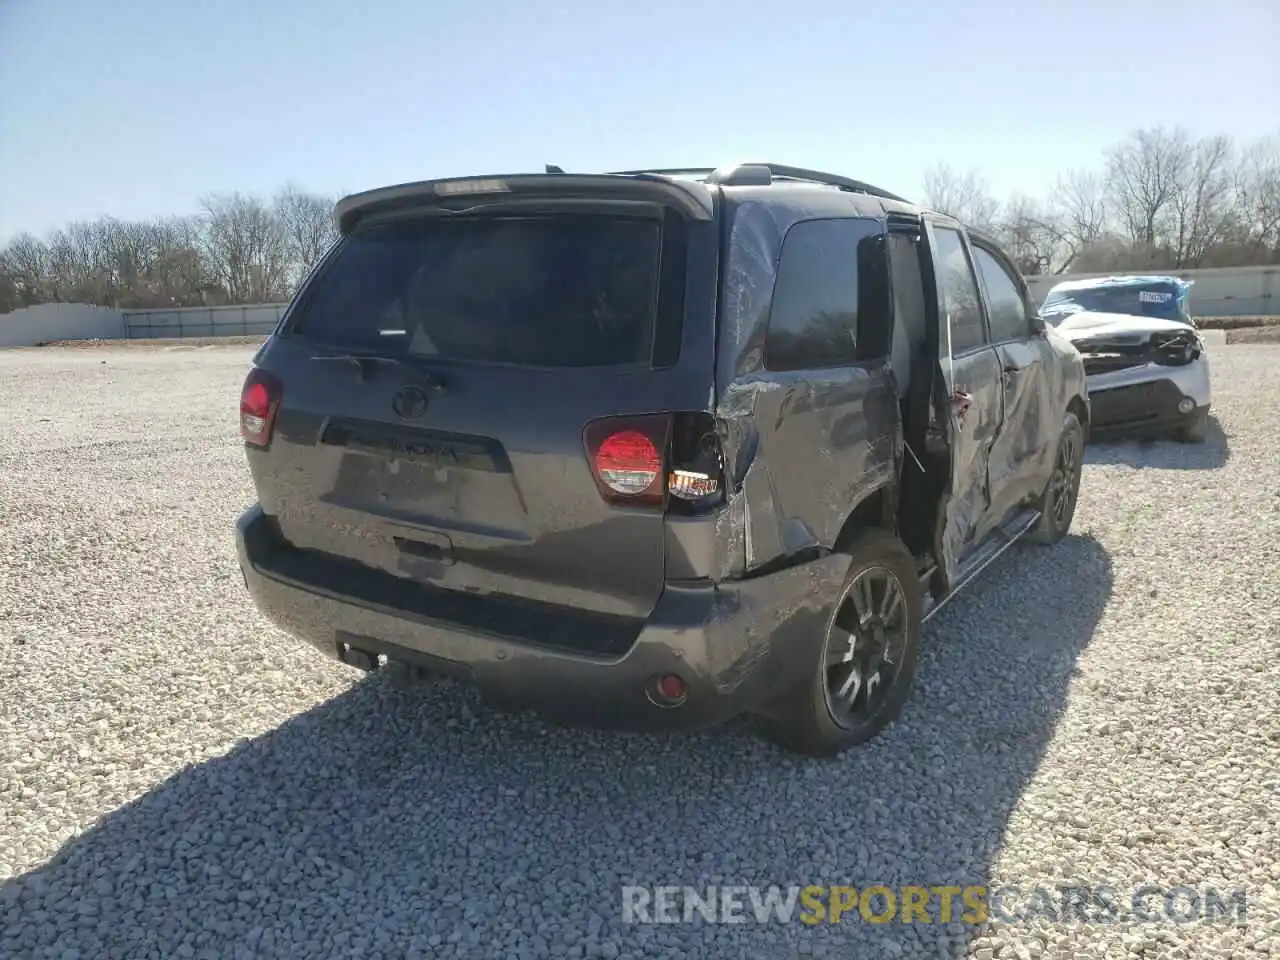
(410, 402)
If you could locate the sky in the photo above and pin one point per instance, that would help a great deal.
(138, 108)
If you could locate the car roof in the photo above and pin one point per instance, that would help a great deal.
(815, 191)
(817, 200)
(774, 182)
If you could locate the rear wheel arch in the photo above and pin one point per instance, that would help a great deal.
(801, 719)
(876, 511)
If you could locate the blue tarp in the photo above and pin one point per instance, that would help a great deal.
(1149, 296)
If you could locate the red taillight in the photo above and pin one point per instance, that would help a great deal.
(259, 401)
(626, 456)
(641, 460)
(628, 462)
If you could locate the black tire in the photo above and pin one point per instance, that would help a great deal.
(802, 720)
(1055, 515)
(1196, 429)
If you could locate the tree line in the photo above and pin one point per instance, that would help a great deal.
(1160, 199)
(237, 249)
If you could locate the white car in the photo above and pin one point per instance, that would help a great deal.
(1146, 364)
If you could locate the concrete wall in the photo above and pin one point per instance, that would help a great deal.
(59, 321)
(250, 320)
(1223, 292)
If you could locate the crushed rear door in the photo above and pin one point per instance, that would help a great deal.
(440, 376)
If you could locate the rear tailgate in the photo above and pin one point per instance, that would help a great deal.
(440, 373)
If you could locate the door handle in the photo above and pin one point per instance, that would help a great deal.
(960, 403)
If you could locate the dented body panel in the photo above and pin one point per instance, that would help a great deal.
(1015, 387)
(804, 448)
(1018, 468)
(973, 437)
(1142, 371)
(1039, 380)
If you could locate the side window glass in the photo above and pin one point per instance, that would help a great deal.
(957, 292)
(831, 279)
(1008, 311)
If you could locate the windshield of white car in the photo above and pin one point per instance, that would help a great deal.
(1147, 300)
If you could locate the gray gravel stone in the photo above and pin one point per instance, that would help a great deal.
(178, 778)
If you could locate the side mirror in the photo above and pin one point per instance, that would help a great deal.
(1037, 323)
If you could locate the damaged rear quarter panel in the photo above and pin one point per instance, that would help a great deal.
(802, 449)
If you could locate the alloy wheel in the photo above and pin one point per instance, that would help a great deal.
(1062, 485)
(865, 647)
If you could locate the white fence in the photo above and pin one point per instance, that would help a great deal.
(46, 322)
(242, 321)
(1222, 292)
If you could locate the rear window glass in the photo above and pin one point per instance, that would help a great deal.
(554, 291)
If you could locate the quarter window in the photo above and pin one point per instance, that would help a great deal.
(831, 283)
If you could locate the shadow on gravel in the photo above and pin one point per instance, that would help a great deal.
(420, 824)
(1144, 450)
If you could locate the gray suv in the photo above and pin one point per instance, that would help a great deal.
(656, 448)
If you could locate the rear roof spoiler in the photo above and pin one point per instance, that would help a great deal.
(691, 198)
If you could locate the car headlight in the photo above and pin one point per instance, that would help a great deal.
(1177, 350)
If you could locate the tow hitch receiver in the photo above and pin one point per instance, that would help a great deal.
(360, 659)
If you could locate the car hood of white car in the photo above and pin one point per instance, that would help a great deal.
(1088, 325)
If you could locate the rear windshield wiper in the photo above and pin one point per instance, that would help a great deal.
(363, 362)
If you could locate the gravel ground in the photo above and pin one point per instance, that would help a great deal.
(1270, 334)
(178, 779)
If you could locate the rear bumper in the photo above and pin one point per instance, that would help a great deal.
(1149, 395)
(734, 644)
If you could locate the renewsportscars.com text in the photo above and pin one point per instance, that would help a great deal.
(879, 903)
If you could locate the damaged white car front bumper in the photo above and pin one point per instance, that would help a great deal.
(1142, 371)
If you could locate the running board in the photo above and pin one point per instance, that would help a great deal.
(1000, 540)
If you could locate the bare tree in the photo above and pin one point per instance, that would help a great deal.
(1204, 201)
(1257, 188)
(307, 221)
(1144, 174)
(179, 274)
(25, 262)
(1031, 235)
(1078, 210)
(963, 196)
(77, 264)
(9, 299)
(246, 247)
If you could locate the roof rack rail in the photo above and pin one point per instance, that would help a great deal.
(760, 174)
(665, 172)
(834, 179)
